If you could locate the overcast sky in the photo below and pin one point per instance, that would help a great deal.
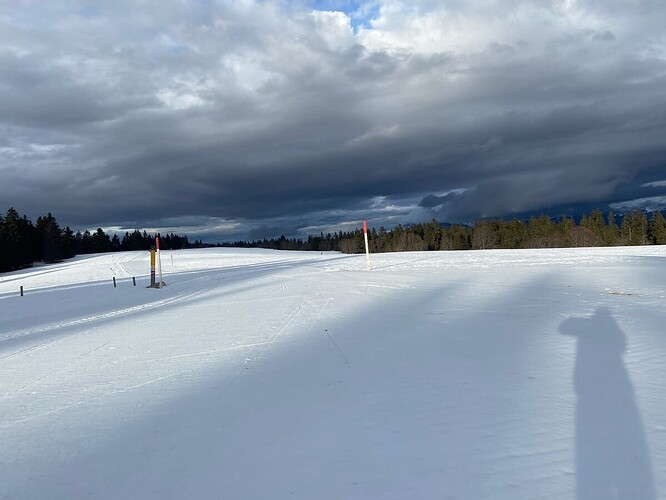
(250, 119)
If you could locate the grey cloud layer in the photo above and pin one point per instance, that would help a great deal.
(129, 113)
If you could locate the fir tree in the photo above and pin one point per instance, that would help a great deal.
(49, 238)
(19, 240)
(634, 228)
(657, 228)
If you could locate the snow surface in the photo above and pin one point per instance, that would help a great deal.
(265, 374)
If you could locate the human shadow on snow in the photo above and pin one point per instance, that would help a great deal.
(612, 459)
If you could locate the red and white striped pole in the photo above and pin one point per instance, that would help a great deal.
(159, 261)
(367, 248)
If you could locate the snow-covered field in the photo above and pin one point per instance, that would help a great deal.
(264, 374)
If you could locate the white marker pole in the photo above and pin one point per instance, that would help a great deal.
(367, 248)
(159, 261)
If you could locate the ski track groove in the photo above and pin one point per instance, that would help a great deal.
(286, 322)
(271, 340)
(92, 400)
(88, 320)
(188, 311)
(59, 369)
(337, 346)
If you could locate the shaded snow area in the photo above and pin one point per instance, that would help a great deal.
(264, 374)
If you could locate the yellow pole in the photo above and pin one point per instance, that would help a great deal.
(159, 261)
(152, 268)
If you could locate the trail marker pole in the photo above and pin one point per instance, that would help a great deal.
(114, 282)
(367, 248)
(134, 280)
(21, 290)
(152, 268)
(159, 261)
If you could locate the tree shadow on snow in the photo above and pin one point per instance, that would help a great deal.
(612, 459)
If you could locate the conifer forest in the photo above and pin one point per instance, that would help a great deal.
(23, 242)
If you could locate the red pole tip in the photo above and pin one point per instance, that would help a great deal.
(365, 227)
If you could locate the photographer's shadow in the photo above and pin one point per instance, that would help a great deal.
(612, 459)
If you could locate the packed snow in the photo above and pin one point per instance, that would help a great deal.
(264, 374)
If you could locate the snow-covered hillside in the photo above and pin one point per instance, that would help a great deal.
(264, 374)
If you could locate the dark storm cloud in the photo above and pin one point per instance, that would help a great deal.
(226, 118)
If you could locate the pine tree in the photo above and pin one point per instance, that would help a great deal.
(541, 230)
(4, 245)
(19, 241)
(513, 234)
(84, 242)
(115, 243)
(68, 243)
(49, 236)
(657, 228)
(456, 237)
(634, 228)
(100, 241)
(611, 233)
(595, 223)
(562, 231)
(432, 235)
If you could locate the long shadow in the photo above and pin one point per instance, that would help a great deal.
(404, 406)
(612, 459)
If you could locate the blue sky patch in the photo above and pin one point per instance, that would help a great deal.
(361, 13)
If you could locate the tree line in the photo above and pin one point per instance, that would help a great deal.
(596, 229)
(23, 243)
